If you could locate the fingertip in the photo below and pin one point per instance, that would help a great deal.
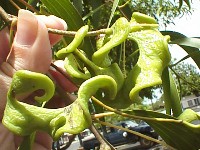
(62, 24)
(53, 22)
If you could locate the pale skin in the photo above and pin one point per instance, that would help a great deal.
(31, 50)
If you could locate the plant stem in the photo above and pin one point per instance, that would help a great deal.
(124, 60)
(60, 71)
(14, 4)
(100, 115)
(133, 116)
(72, 33)
(100, 138)
(5, 16)
(126, 3)
(88, 62)
(180, 77)
(9, 19)
(29, 6)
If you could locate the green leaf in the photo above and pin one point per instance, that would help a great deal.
(65, 10)
(114, 7)
(186, 1)
(171, 96)
(191, 46)
(176, 132)
(78, 5)
(186, 57)
(192, 42)
(188, 44)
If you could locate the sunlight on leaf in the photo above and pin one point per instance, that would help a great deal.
(114, 7)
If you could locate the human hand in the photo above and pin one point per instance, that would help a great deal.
(31, 50)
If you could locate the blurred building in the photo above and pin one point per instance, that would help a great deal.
(192, 102)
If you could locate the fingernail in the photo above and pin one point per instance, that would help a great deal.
(61, 21)
(27, 28)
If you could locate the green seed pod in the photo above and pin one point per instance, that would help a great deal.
(121, 30)
(154, 57)
(24, 119)
(81, 33)
(142, 18)
(73, 70)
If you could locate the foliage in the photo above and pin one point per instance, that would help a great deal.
(105, 68)
(165, 11)
(188, 77)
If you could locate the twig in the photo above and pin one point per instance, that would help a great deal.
(72, 33)
(180, 77)
(100, 115)
(5, 16)
(100, 138)
(60, 71)
(132, 116)
(9, 19)
(29, 6)
(126, 3)
(14, 4)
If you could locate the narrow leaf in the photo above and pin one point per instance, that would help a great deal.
(190, 48)
(171, 96)
(176, 132)
(188, 3)
(78, 5)
(65, 10)
(114, 7)
(192, 42)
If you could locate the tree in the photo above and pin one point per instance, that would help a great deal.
(187, 78)
(132, 55)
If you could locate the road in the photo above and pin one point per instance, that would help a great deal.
(75, 145)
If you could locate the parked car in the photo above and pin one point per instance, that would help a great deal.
(144, 128)
(118, 137)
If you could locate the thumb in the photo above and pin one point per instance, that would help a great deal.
(31, 48)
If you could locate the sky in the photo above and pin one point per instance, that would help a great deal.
(188, 25)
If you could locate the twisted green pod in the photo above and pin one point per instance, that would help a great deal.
(141, 21)
(73, 70)
(24, 119)
(121, 30)
(154, 57)
(80, 34)
(142, 18)
(113, 70)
